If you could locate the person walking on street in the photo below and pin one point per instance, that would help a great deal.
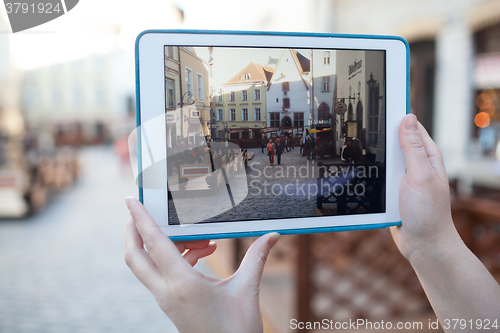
(270, 151)
(290, 143)
(263, 144)
(309, 146)
(302, 145)
(280, 146)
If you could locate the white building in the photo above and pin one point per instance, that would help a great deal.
(288, 95)
(92, 92)
(361, 85)
(324, 86)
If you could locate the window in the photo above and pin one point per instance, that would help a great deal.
(326, 83)
(170, 94)
(199, 83)
(326, 58)
(323, 111)
(298, 119)
(219, 96)
(244, 95)
(244, 114)
(285, 86)
(232, 114)
(232, 96)
(256, 94)
(257, 114)
(275, 119)
(220, 114)
(246, 76)
(286, 103)
(373, 113)
(170, 52)
(189, 82)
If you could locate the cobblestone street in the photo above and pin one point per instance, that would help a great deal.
(280, 191)
(63, 269)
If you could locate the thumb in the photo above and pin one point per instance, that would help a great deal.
(252, 266)
(410, 140)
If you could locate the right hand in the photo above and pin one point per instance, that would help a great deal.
(424, 196)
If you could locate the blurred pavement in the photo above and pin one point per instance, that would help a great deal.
(63, 269)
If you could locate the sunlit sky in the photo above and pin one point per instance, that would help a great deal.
(100, 26)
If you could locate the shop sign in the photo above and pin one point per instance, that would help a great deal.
(340, 108)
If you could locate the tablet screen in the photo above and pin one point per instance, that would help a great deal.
(267, 133)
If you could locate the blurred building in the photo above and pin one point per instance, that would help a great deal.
(241, 106)
(455, 71)
(82, 101)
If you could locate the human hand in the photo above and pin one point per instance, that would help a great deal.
(193, 301)
(424, 196)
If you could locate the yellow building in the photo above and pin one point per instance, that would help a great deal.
(240, 107)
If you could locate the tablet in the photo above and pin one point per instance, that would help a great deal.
(244, 133)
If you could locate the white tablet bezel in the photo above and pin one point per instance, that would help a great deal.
(150, 62)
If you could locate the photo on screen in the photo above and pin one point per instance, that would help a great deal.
(266, 133)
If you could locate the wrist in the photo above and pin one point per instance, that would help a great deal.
(439, 250)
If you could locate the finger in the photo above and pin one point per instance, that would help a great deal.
(433, 153)
(252, 266)
(139, 260)
(193, 255)
(416, 160)
(197, 244)
(160, 248)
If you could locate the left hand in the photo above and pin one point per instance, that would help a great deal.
(193, 301)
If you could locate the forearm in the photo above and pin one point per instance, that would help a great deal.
(457, 284)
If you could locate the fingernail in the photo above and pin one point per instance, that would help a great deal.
(127, 201)
(411, 123)
(273, 239)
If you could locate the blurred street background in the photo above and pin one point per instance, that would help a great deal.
(67, 105)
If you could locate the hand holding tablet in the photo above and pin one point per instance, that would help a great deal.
(207, 99)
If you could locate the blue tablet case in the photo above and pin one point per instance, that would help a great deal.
(261, 33)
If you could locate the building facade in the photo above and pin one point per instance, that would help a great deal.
(288, 93)
(241, 105)
(81, 97)
(361, 86)
(187, 98)
(324, 87)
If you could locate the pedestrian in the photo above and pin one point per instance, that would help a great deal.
(280, 146)
(290, 143)
(270, 151)
(263, 144)
(309, 146)
(302, 145)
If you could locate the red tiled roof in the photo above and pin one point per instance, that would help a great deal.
(258, 73)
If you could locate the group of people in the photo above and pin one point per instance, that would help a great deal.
(277, 148)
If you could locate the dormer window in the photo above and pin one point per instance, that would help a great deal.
(245, 76)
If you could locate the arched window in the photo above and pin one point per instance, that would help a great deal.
(245, 76)
(323, 111)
